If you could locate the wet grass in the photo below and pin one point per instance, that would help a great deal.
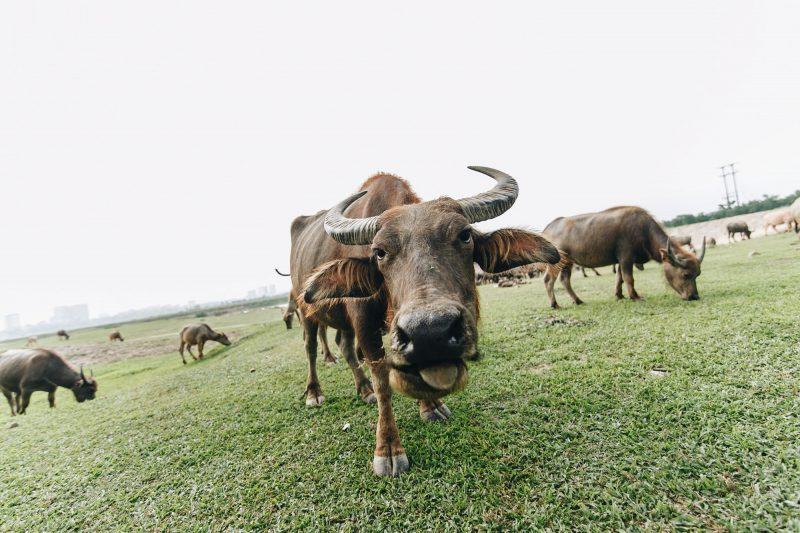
(564, 424)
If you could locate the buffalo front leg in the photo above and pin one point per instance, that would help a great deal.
(189, 349)
(618, 283)
(180, 350)
(627, 275)
(390, 457)
(23, 401)
(10, 400)
(200, 345)
(566, 281)
(363, 384)
(314, 397)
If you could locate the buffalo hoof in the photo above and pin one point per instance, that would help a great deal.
(554, 305)
(331, 359)
(433, 411)
(314, 400)
(578, 302)
(370, 398)
(391, 466)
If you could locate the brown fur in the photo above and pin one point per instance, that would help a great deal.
(23, 372)
(628, 236)
(115, 336)
(61, 334)
(739, 227)
(425, 267)
(198, 335)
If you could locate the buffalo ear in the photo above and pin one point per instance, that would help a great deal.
(505, 249)
(343, 278)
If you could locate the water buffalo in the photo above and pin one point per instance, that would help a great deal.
(199, 335)
(776, 218)
(23, 372)
(740, 227)
(388, 262)
(288, 318)
(31, 341)
(795, 210)
(582, 270)
(62, 334)
(115, 336)
(624, 235)
(711, 242)
(683, 240)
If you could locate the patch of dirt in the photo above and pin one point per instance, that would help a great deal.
(717, 228)
(561, 321)
(109, 352)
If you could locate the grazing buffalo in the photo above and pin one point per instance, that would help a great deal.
(388, 261)
(115, 336)
(795, 210)
(31, 341)
(683, 240)
(582, 270)
(711, 242)
(288, 318)
(62, 334)
(23, 372)
(627, 236)
(199, 334)
(775, 219)
(740, 227)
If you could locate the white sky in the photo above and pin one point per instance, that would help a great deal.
(156, 152)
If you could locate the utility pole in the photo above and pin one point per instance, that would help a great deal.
(728, 202)
(735, 187)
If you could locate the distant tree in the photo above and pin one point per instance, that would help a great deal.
(769, 201)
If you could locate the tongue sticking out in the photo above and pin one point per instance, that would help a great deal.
(441, 377)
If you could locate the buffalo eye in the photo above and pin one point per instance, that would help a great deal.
(465, 236)
(379, 253)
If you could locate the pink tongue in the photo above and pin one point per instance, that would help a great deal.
(441, 377)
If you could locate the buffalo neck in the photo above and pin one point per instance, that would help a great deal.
(658, 241)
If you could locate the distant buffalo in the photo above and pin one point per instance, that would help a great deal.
(795, 210)
(712, 242)
(61, 334)
(23, 372)
(773, 220)
(31, 341)
(198, 335)
(627, 236)
(740, 227)
(115, 336)
(683, 240)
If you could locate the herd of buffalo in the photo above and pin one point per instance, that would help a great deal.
(382, 263)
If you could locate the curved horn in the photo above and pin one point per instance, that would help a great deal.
(82, 376)
(495, 201)
(345, 230)
(281, 273)
(702, 251)
(671, 253)
(91, 372)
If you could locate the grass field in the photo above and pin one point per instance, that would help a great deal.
(653, 415)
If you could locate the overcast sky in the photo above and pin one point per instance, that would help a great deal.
(156, 152)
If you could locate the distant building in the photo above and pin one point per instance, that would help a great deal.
(13, 322)
(71, 314)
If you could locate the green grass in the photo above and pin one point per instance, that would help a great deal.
(562, 426)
